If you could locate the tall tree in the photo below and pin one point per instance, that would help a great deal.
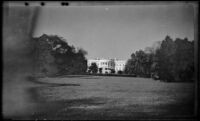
(184, 59)
(166, 59)
(64, 57)
(140, 62)
(130, 65)
(93, 68)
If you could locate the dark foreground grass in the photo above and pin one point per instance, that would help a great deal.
(113, 98)
(94, 109)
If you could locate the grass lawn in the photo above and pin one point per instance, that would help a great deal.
(99, 97)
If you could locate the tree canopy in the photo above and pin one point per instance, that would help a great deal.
(173, 60)
(56, 56)
(93, 68)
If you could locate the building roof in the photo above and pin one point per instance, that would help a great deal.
(102, 59)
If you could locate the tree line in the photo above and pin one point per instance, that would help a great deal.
(53, 55)
(171, 60)
(167, 60)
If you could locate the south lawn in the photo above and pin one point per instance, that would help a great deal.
(103, 97)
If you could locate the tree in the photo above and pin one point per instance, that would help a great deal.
(140, 63)
(112, 71)
(120, 72)
(64, 57)
(166, 59)
(176, 60)
(130, 67)
(148, 64)
(93, 68)
(184, 59)
(44, 60)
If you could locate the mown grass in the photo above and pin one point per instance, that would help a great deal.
(98, 97)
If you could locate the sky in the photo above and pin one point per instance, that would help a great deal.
(116, 31)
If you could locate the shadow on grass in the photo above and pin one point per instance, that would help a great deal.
(79, 76)
(35, 80)
(62, 109)
(69, 109)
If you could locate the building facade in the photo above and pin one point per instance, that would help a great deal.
(119, 65)
(108, 65)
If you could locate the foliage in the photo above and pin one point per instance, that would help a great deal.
(93, 68)
(120, 72)
(170, 61)
(54, 51)
(139, 64)
(112, 71)
(166, 60)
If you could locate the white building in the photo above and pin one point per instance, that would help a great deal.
(119, 65)
(106, 65)
(102, 64)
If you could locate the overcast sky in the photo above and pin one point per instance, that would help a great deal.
(116, 31)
